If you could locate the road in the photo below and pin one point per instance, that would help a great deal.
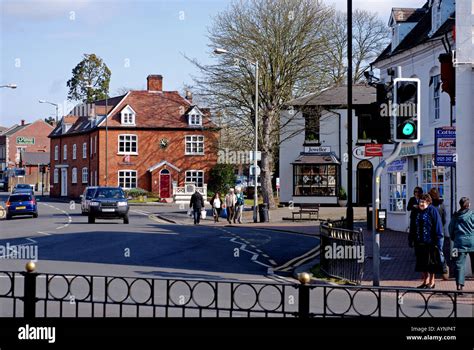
(66, 243)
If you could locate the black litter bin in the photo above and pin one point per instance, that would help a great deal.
(263, 212)
(370, 212)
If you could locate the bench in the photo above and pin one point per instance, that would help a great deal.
(307, 208)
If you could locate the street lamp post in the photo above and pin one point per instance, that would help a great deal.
(53, 104)
(254, 63)
(9, 86)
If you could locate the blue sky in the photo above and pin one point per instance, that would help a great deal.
(41, 41)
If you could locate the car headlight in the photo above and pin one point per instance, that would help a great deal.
(94, 204)
(122, 204)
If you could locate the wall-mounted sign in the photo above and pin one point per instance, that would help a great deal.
(317, 149)
(373, 150)
(359, 153)
(397, 166)
(408, 150)
(445, 146)
(25, 140)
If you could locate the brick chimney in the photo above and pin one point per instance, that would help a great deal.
(154, 83)
(23, 122)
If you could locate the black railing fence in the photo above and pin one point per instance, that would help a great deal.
(342, 251)
(37, 295)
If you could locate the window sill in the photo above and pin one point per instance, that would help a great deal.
(127, 153)
(128, 124)
(194, 154)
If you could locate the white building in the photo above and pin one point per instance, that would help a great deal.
(420, 36)
(314, 153)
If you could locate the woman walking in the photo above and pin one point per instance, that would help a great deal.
(461, 230)
(428, 242)
(216, 204)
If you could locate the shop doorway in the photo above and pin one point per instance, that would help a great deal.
(365, 171)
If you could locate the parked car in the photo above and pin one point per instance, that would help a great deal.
(86, 198)
(21, 204)
(108, 203)
(23, 188)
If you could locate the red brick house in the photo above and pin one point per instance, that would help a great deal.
(25, 146)
(155, 140)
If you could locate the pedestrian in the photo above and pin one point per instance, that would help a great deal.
(461, 231)
(239, 205)
(197, 204)
(230, 200)
(428, 242)
(216, 204)
(413, 208)
(445, 249)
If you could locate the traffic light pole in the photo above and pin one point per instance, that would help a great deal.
(376, 203)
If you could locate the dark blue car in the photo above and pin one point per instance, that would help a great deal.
(21, 204)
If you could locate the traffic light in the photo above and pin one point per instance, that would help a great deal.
(406, 109)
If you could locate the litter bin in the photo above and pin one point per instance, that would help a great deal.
(263, 212)
(370, 212)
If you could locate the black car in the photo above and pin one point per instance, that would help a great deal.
(108, 203)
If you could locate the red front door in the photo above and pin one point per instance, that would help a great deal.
(165, 186)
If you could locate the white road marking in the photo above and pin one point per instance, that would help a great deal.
(69, 218)
(303, 256)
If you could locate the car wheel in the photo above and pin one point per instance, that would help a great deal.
(35, 215)
(125, 220)
(91, 220)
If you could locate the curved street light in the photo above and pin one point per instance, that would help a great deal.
(10, 86)
(53, 104)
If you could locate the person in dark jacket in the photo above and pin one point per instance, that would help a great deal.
(197, 204)
(428, 242)
(461, 231)
(412, 207)
(437, 202)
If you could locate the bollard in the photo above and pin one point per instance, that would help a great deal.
(29, 295)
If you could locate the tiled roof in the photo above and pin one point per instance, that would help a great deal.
(14, 129)
(34, 158)
(408, 14)
(337, 96)
(163, 109)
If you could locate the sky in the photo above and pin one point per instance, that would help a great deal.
(41, 41)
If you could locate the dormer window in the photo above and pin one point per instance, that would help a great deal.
(127, 116)
(195, 117)
(66, 127)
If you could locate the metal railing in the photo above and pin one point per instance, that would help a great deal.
(38, 295)
(342, 251)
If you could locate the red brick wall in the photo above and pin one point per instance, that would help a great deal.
(150, 153)
(39, 130)
(74, 189)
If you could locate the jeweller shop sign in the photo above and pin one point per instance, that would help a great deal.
(445, 146)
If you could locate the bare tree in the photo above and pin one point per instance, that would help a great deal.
(370, 37)
(285, 37)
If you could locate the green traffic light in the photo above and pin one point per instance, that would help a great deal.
(408, 129)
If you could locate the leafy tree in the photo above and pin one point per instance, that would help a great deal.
(50, 120)
(221, 178)
(90, 80)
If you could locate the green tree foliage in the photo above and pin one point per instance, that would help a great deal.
(90, 80)
(221, 178)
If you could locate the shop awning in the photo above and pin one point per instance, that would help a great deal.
(320, 158)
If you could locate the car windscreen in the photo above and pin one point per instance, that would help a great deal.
(90, 193)
(116, 193)
(23, 186)
(22, 198)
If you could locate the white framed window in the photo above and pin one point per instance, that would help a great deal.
(195, 176)
(85, 175)
(90, 146)
(397, 191)
(74, 151)
(56, 175)
(95, 144)
(56, 152)
(20, 153)
(127, 144)
(127, 116)
(432, 176)
(65, 152)
(127, 179)
(84, 150)
(194, 144)
(436, 86)
(95, 177)
(195, 119)
(74, 176)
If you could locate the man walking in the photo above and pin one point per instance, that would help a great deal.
(239, 205)
(197, 204)
(230, 201)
